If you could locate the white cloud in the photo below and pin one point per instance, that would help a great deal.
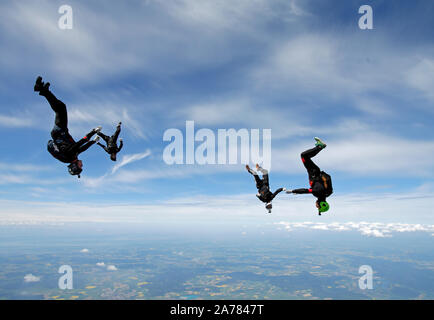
(198, 31)
(84, 250)
(24, 167)
(370, 229)
(31, 278)
(124, 176)
(378, 207)
(367, 154)
(111, 268)
(107, 111)
(296, 9)
(100, 264)
(130, 158)
(16, 121)
(421, 77)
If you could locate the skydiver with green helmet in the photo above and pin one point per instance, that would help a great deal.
(320, 182)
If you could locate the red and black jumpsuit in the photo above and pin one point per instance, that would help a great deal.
(317, 188)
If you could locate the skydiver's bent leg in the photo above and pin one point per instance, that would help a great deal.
(265, 178)
(308, 154)
(306, 157)
(258, 180)
(102, 146)
(255, 175)
(116, 134)
(58, 107)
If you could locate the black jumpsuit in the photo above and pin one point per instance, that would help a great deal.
(263, 186)
(111, 147)
(63, 147)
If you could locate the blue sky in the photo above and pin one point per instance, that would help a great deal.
(300, 68)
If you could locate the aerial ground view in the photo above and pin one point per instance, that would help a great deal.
(255, 263)
(217, 150)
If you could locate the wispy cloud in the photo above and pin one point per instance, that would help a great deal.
(26, 174)
(23, 167)
(113, 176)
(130, 158)
(16, 121)
(421, 77)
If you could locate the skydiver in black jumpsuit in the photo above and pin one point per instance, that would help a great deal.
(111, 142)
(62, 146)
(263, 185)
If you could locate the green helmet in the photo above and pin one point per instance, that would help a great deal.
(323, 206)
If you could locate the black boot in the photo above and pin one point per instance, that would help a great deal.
(40, 86)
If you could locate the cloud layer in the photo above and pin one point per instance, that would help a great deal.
(370, 229)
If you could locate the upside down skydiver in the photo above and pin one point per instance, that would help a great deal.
(263, 185)
(320, 182)
(112, 149)
(62, 146)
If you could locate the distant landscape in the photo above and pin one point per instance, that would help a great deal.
(140, 263)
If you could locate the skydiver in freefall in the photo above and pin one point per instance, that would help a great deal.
(320, 182)
(112, 148)
(62, 146)
(263, 185)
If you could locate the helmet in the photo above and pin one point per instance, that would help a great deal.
(269, 206)
(74, 169)
(323, 206)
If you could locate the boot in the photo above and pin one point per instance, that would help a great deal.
(40, 86)
(319, 143)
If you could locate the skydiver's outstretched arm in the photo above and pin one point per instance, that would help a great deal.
(300, 191)
(278, 191)
(103, 146)
(118, 130)
(104, 137)
(121, 144)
